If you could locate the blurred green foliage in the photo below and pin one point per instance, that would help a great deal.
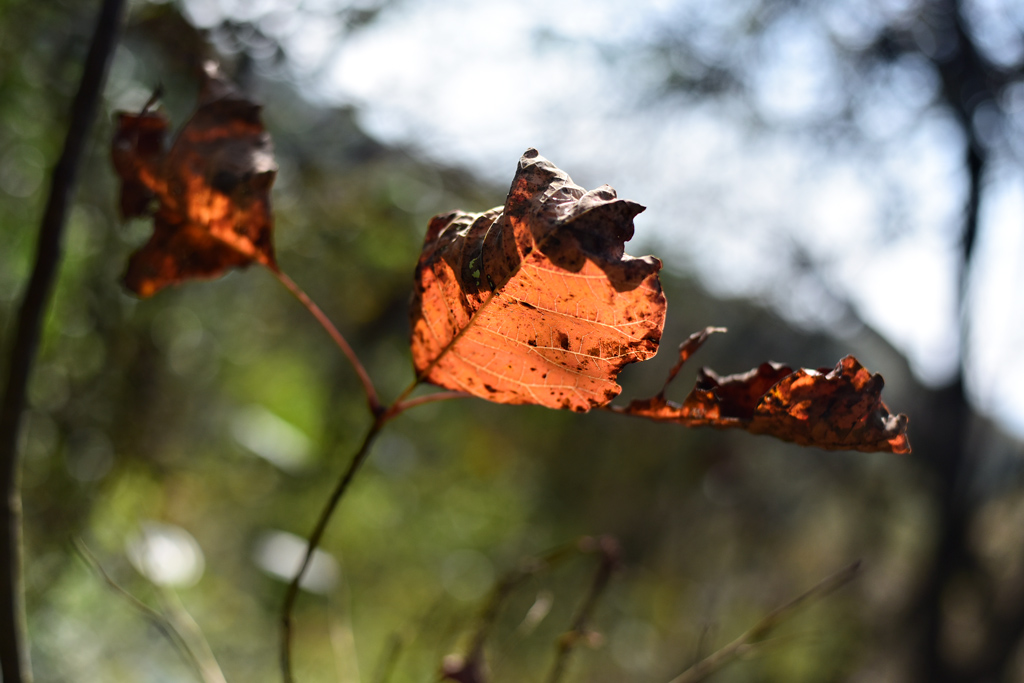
(221, 408)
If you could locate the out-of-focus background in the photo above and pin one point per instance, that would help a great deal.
(822, 178)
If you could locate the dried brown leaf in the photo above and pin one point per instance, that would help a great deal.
(536, 302)
(837, 409)
(212, 188)
(687, 349)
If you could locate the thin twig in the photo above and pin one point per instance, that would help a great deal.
(161, 621)
(470, 666)
(183, 622)
(15, 665)
(746, 642)
(526, 569)
(382, 415)
(339, 339)
(314, 541)
(608, 547)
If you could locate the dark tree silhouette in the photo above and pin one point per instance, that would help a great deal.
(973, 88)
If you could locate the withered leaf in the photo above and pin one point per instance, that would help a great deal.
(837, 409)
(212, 188)
(536, 302)
(687, 349)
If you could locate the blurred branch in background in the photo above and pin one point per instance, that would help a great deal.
(13, 632)
(610, 558)
(472, 667)
(176, 625)
(762, 629)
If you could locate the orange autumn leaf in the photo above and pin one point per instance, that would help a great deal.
(536, 302)
(838, 409)
(211, 188)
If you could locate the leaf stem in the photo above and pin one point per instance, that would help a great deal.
(737, 648)
(405, 392)
(339, 339)
(401, 406)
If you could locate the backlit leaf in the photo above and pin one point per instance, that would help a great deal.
(536, 302)
(837, 409)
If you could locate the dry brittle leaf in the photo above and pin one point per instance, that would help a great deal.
(838, 409)
(687, 349)
(212, 188)
(536, 302)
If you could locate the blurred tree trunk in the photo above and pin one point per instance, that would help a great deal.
(945, 441)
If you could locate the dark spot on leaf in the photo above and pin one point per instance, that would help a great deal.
(563, 340)
(224, 181)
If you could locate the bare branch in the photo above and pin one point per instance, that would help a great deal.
(610, 553)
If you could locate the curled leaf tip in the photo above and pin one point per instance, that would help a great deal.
(686, 350)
